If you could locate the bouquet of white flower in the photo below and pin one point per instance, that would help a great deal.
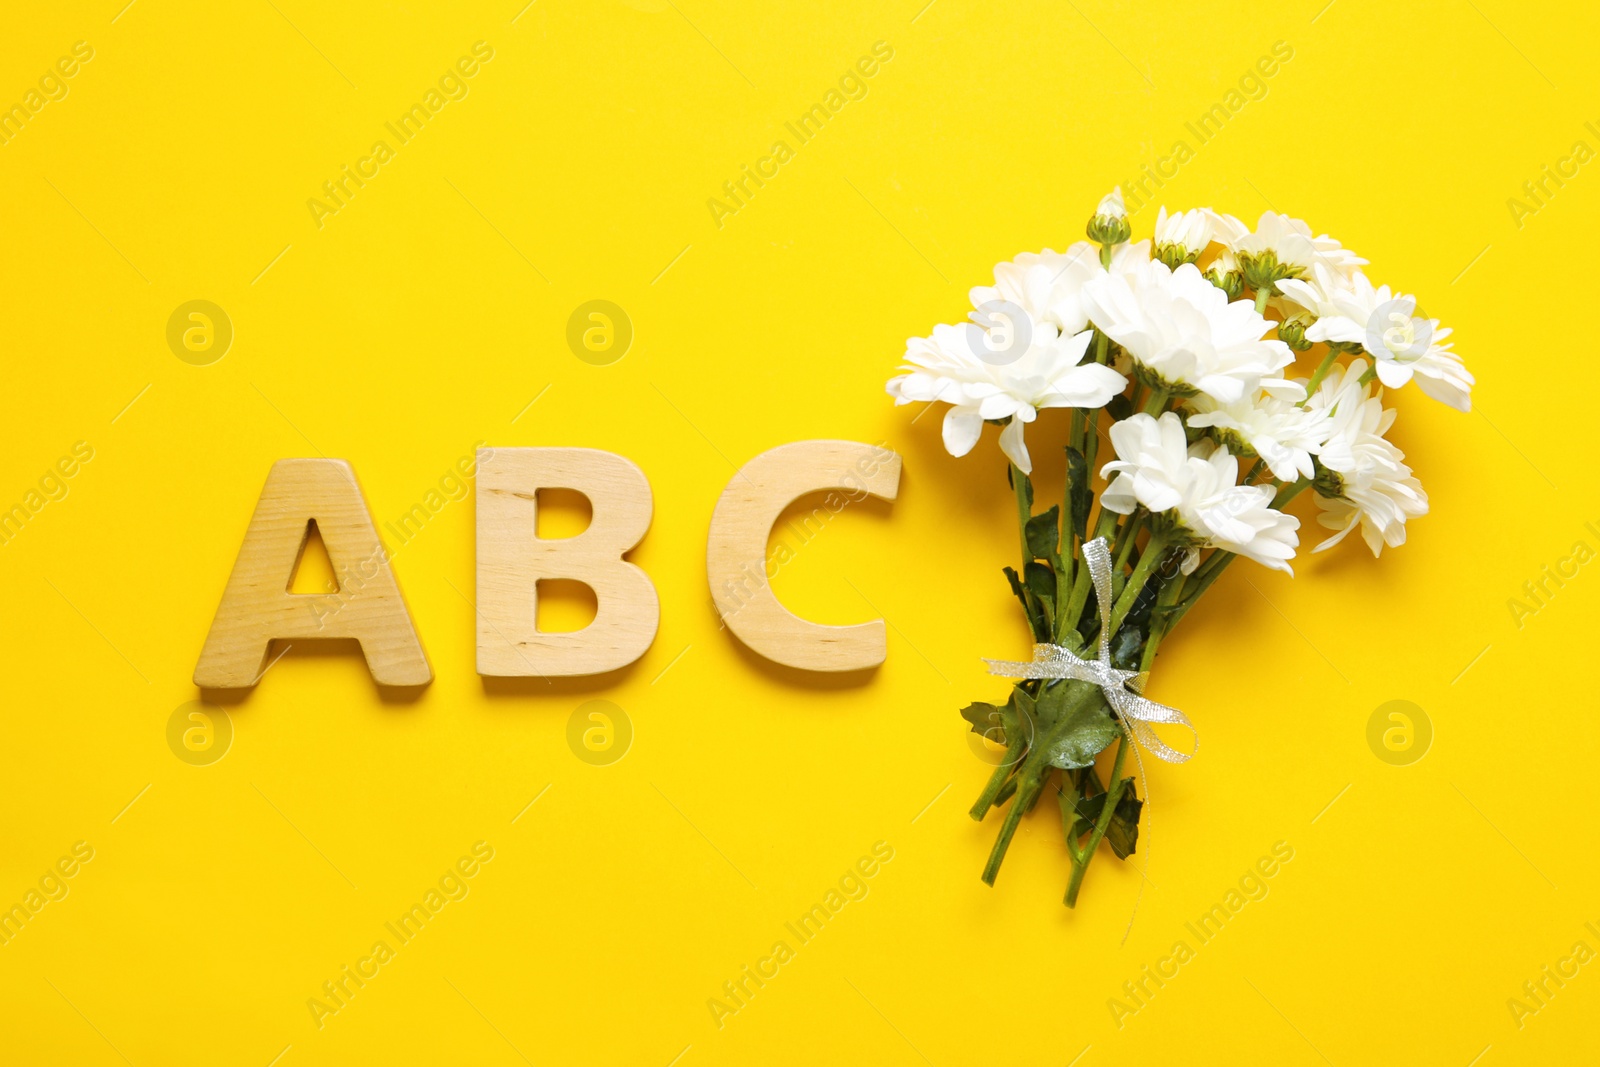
(1175, 345)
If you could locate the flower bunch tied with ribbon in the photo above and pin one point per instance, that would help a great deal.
(1211, 374)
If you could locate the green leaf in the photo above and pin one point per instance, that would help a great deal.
(1021, 594)
(1123, 831)
(1050, 703)
(1090, 785)
(1036, 610)
(1027, 486)
(1078, 491)
(1041, 581)
(1024, 711)
(1080, 738)
(1042, 535)
(1072, 738)
(1127, 648)
(986, 720)
(1071, 825)
(1001, 724)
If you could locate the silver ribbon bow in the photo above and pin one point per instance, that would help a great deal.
(1121, 688)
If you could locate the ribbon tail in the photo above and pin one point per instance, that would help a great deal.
(1052, 671)
(1137, 713)
(1010, 668)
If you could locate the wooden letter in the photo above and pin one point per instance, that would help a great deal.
(512, 559)
(258, 608)
(737, 551)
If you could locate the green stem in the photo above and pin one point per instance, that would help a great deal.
(1082, 581)
(1254, 470)
(1126, 538)
(1154, 552)
(1067, 796)
(1289, 492)
(997, 780)
(1067, 544)
(1091, 438)
(1105, 522)
(1158, 401)
(1165, 602)
(1262, 296)
(1091, 446)
(1067, 539)
(1113, 795)
(1031, 777)
(1019, 483)
(1078, 598)
(1321, 372)
(1215, 562)
(1031, 783)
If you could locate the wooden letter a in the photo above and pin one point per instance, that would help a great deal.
(257, 607)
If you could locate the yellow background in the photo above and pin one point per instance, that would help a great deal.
(431, 310)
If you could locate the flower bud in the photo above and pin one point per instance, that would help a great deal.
(1152, 379)
(1293, 333)
(1262, 271)
(1233, 441)
(1110, 225)
(1175, 256)
(1327, 482)
(1231, 282)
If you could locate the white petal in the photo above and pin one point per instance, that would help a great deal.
(1336, 328)
(961, 430)
(1393, 374)
(1118, 496)
(1012, 445)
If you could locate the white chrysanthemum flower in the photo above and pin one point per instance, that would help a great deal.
(1312, 294)
(1402, 344)
(1289, 240)
(1371, 485)
(1041, 368)
(1271, 425)
(1183, 330)
(1193, 231)
(1049, 285)
(1196, 488)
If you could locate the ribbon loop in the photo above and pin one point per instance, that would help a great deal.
(1121, 688)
